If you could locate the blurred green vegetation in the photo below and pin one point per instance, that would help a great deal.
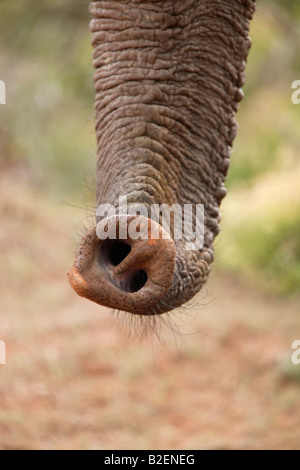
(49, 117)
(47, 127)
(261, 215)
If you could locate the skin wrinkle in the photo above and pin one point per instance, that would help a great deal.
(168, 75)
(158, 110)
(171, 118)
(104, 123)
(161, 161)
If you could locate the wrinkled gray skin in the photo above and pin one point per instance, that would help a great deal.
(168, 82)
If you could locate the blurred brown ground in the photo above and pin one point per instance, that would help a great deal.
(216, 376)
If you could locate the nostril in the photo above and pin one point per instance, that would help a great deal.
(133, 281)
(138, 280)
(114, 252)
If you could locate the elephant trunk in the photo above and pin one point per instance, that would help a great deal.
(168, 81)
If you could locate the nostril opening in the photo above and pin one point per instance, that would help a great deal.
(118, 252)
(133, 281)
(115, 251)
(138, 281)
